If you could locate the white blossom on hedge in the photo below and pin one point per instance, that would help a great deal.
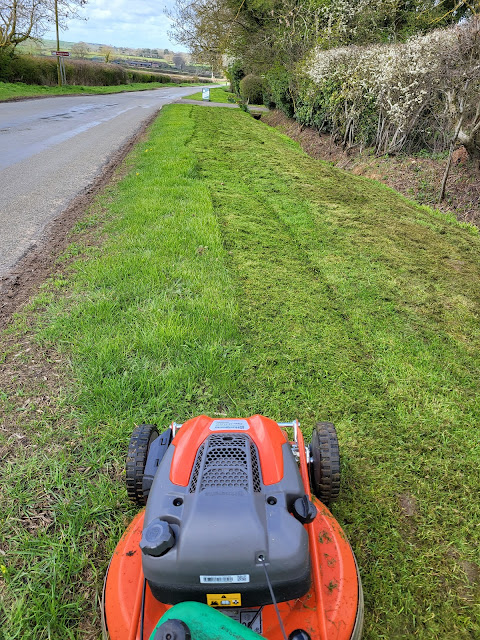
(408, 84)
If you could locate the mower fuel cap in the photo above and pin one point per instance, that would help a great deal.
(157, 538)
(304, 510)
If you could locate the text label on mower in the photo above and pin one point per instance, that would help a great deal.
(229, 425)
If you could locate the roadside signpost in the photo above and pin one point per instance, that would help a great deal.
(61, 66)
(206, 94)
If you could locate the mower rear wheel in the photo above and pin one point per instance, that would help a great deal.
(325, 463)
(142, 438)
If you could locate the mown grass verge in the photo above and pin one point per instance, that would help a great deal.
(217, 94)
(11, 90)
(237, 275)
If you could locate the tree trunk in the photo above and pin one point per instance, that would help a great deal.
(445, 175)
(449, 162)
(471, 141)
(473, 147)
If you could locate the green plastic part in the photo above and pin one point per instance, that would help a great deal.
(206, 623)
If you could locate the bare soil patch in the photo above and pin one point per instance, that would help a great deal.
(408, 504)
(29, 386)
(418, 177)
(469, 576)
(408, 514)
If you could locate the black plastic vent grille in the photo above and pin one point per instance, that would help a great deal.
(229, 461)
(226, 463)
(257, 485)
(196, 469)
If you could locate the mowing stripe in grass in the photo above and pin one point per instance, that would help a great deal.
(159, 316)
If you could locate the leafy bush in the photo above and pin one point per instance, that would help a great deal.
(234, 74)
(279, 90)
(32, 70)
(315, 105)
(251, 89)
(6, 58)
(83, 72)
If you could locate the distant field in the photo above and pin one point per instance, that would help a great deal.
(45, 47)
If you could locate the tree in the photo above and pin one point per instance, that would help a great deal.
(203, 26)
(23, 19)
(269, 33)
(80, 50)
(106, 51)
(179, 61)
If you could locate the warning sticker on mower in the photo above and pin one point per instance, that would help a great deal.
(251, 618)
(224, 600)
(231, 579)
(229, 425)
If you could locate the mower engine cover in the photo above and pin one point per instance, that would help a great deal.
(220, 511)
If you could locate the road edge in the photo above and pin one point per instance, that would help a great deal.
(36, 264)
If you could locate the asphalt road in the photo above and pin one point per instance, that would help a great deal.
(53, 149)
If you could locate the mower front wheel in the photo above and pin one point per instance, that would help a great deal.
(325, 463)
(142, 438)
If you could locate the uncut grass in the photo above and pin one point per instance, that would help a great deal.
(241, 276)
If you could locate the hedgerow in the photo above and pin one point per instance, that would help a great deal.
(419, 94)
(235, 73)
(43, 71)
(279, 90)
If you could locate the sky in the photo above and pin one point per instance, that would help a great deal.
(122, 23)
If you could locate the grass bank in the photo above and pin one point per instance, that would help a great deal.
(417, 176)
(12, 90)
(229, 273)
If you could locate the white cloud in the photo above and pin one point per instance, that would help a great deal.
(122, 23)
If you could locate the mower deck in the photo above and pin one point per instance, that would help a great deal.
(332, 609)
(341, 589)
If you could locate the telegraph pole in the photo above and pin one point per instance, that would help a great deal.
(59, 72)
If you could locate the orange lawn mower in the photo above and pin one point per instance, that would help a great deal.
(230, 545)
